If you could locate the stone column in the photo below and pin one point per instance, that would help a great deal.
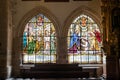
(62, 53)
(3, 38)
(16, 56)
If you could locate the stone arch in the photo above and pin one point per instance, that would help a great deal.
(34, 12)
(80, 10)
(17, 39)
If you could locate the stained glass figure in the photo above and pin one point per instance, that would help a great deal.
(39, 41)
(84, 41)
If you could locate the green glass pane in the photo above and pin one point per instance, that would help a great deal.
(39, 41)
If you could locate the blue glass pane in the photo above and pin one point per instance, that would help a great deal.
(39, 41)
(84, 38)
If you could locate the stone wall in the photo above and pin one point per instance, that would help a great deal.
(3, 37)
(13, 12)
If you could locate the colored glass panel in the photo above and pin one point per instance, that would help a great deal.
(84, 41)
(39, 41)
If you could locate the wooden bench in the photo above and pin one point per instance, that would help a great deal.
(54, 71)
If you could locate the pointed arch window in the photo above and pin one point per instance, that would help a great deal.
(39, 41)
(84, 41)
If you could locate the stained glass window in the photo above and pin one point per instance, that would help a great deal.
(84, 41)
(39, 41)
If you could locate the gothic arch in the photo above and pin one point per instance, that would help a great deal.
(17, 38)
(77, 12)
(34, 12)
(82, 10)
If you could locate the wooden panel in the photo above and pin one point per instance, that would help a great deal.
(56, 0)
(54, 71)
